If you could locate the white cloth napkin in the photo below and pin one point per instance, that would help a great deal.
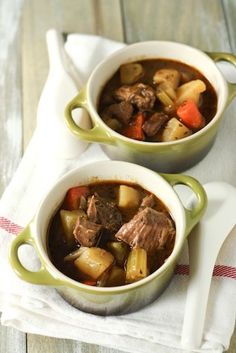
(155, 328)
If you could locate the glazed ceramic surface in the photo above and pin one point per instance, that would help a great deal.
(161, 156)
(114, 300)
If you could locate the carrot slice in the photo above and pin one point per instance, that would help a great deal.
(189, 114)
(135, 131)
(73, 195)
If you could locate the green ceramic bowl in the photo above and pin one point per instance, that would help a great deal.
(167, 157)
(114, 300)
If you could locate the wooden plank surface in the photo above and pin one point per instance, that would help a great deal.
(39, 344)
(207, 24)
(191, 22)
(229, 7)
(12, 341)
(10, 91)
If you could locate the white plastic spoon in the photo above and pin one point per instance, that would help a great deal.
(61, 86)
(205, 242)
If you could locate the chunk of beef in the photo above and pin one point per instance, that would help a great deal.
(107, 98)
(87, 233)
(122, 111)
(124, 93)
(154, 123)
(105, 212)
(149, 229)
(148, 201)
(141, 95)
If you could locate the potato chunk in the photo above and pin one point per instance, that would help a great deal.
(130, 73)
(128, 197)
(93, 262)
(190, 91)
(174, 130)
(167, 78)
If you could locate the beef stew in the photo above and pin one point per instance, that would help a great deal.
(157, 100)
(110, 234)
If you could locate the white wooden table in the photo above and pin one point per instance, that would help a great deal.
(207, 24)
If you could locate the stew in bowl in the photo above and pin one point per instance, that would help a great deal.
(110, 234)
(157, 100)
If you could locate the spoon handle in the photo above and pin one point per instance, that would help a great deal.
(205, 242)
(197, 296)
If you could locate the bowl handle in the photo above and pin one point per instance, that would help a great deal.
(42, 276)
(194, 215)
(96, 134)
(218, 56)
